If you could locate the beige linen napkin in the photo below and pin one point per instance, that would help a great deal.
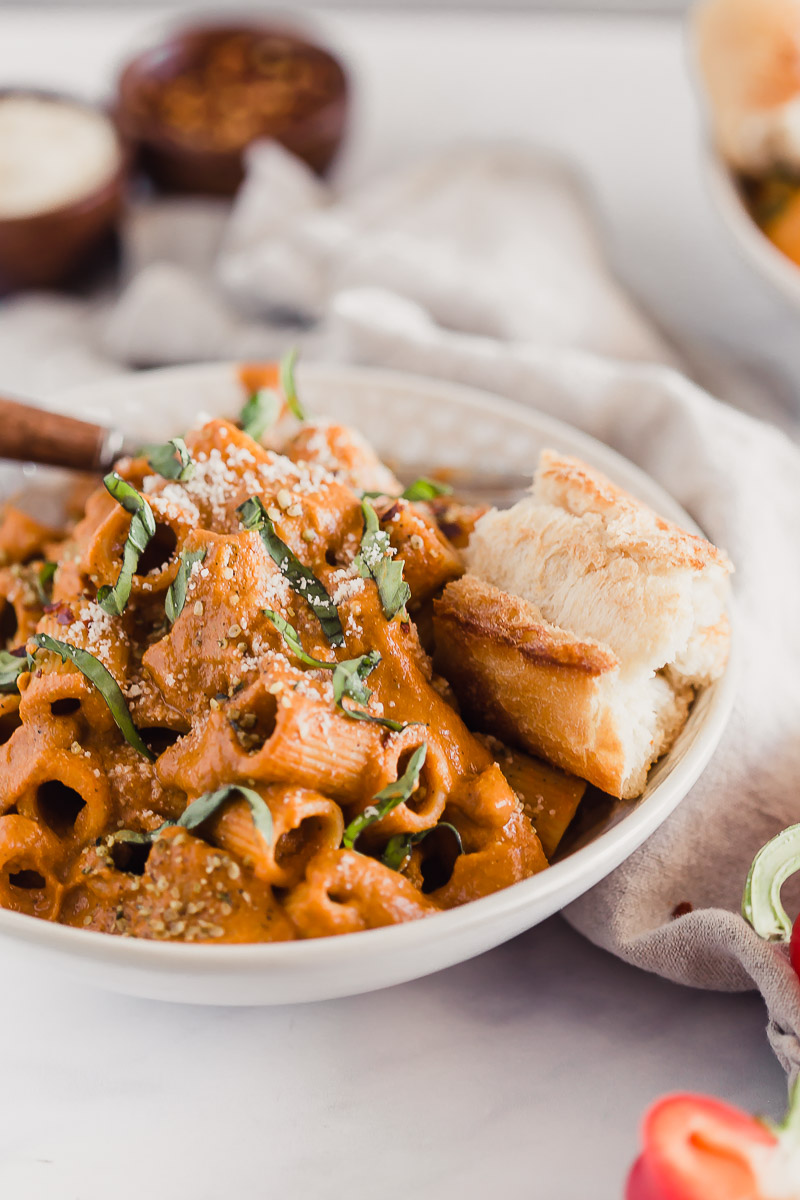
(740, 480)
(483, 266)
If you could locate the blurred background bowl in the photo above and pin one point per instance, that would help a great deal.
(47, 247)
(191, 105)
(753, 244)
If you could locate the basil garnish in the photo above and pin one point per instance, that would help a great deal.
(198, 812)
(301, 579)
(288, 386)
(260, 412)
(206, 805)
(387, 722)
(172, 459)
(12, 665)
(103, 680)
(44, 581)
(143, 527)
(292, 639)
(176, 593)
(348, 680)
(426, 489)
(374, 560)
(348, 676)
(387, 798)
(400, 846)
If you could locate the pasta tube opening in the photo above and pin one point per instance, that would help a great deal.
(68, 796)
(345, 891)
(296, 846)
(58, 806)
(8, 622)
(159, 551)
(158, 738)
(27, 858)
(304, 824)
(158, 562)
(433, 861)
(256, 722)
(426, 803)
(63, 692)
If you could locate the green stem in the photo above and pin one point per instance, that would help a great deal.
(772, 866)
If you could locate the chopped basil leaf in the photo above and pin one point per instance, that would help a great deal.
(348, 680)
(400, 846)
(387, 722)
(426, 489)
(210, 802)
(172, 459)
(12, 665)
(288, 384)
(387, 798)
(260, 412)
(105, 683)
(348, 676)
(143, 527)
(44, 581)
(374, 560)
(301, 579)
(176, 594)
(292, 639)
(198, 812)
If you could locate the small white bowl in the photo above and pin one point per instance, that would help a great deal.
(753, 244)
(416, 420)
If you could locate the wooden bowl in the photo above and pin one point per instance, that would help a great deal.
(45, 248)
(172, 98)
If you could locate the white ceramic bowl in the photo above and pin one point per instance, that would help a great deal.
(413, 419)
(754, 245)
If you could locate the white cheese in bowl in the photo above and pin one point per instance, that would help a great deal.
(53, 152)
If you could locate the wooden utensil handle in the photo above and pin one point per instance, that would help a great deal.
(29, 434)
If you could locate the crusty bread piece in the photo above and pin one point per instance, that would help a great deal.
(584, 625)
(556, 695)
(749, 56)
(601, 564)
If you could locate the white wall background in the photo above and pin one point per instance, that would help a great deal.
(645, 7)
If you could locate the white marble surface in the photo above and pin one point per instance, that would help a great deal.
(524, 1072)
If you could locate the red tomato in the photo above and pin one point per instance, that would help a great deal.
(696, 1148)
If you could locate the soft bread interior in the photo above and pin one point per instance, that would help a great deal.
(592, 620)
(600, 563)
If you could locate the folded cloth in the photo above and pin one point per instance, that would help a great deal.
(489, 242)
(740, 480)
(483, 266)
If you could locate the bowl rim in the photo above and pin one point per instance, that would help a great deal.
(721, 179)
(600, 856)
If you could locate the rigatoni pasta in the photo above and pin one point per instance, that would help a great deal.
(217, 720)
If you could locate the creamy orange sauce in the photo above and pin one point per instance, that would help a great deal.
(220, 698)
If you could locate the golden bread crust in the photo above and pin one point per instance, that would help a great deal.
(527, 682)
